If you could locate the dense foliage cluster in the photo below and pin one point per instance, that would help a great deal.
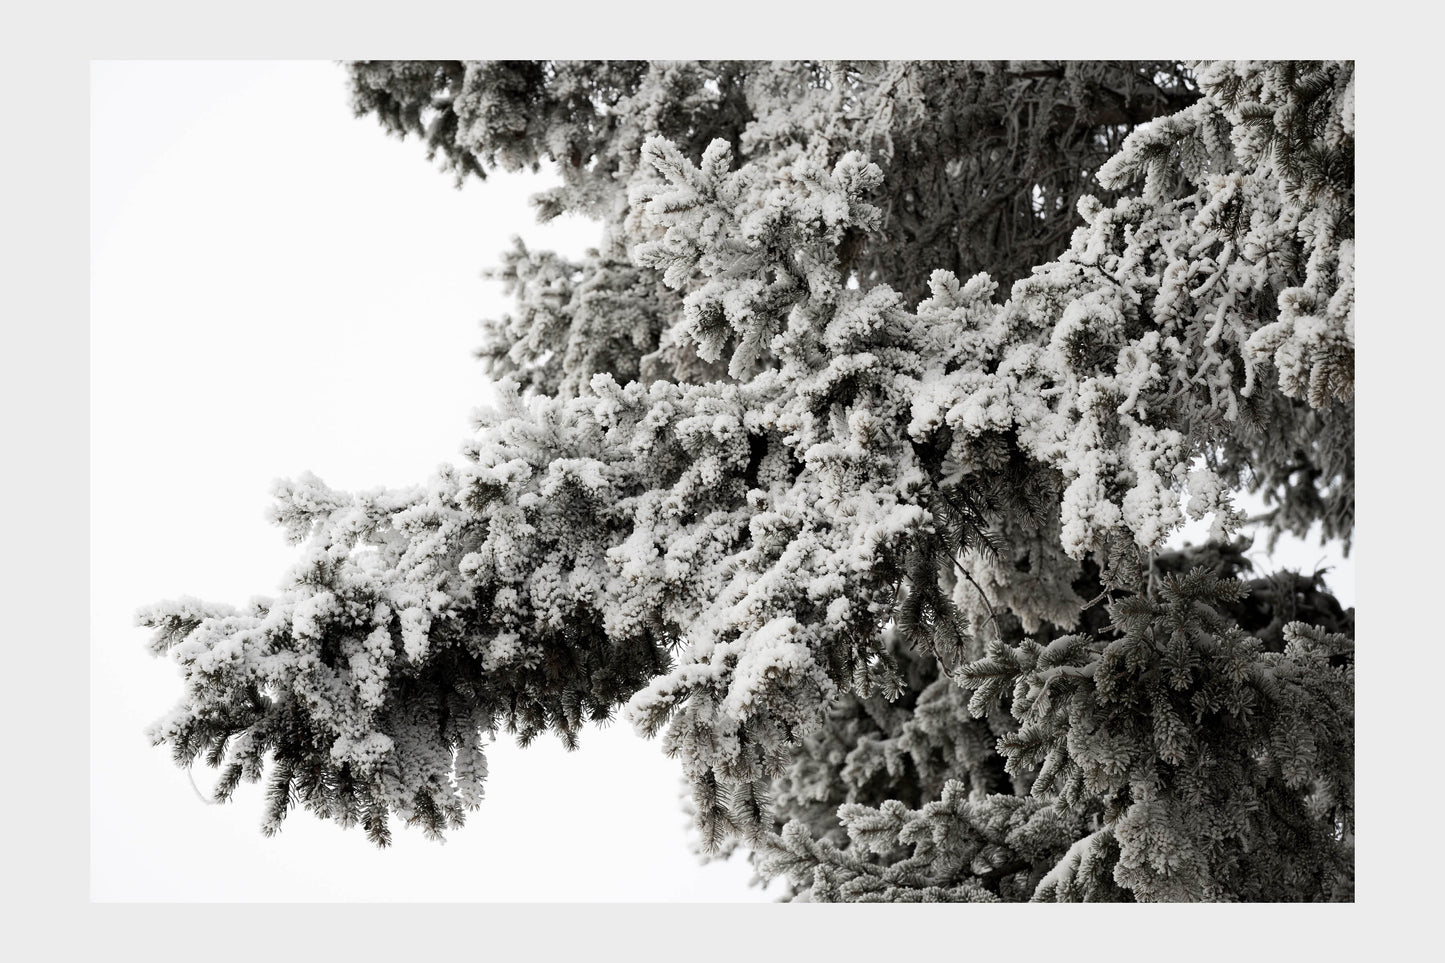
(845, 463)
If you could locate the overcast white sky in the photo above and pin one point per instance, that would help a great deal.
(276, 287)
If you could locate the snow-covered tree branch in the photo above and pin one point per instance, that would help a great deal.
(846, 465)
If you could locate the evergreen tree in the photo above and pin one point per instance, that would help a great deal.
(845, 465)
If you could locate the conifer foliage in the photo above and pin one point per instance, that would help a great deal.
(844, 465)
